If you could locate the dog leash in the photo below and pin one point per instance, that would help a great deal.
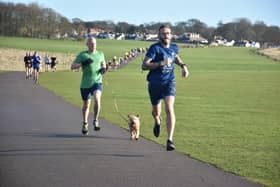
(117, 109)
(116, 104)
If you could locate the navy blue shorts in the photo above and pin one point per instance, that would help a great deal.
(158, 92)
(86, 93)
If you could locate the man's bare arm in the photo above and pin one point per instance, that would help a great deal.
(75, 66)
(149, 65)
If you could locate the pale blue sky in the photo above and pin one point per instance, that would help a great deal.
(146, 11)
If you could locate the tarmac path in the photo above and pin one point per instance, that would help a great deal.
(41, 145)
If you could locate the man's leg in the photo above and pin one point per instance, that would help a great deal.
(170, 121)
(26, 72)
(38, 71)
(96, 109)
(156, 111)
(36, 75)
(29, 72)
(85, 110)
(170, 116)
(97, 104)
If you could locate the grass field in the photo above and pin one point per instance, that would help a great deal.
(69, 46)
(228, 110)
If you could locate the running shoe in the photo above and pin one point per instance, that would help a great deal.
(170, 145)
(96, 125)
(156, 129)
(85, 129)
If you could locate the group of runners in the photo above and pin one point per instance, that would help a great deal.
(33, 64)
(160, 60)
(116, 63)
(50, 63)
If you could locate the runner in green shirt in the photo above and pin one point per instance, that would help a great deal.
(93, 66)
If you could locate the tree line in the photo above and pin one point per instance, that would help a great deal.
(34, 21)
(31, 21)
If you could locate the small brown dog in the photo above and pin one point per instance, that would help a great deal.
(134, 126)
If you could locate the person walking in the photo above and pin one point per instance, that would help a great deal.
(93, 65)
(159, 60)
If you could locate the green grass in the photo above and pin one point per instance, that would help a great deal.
(228, 110)
(67, 46)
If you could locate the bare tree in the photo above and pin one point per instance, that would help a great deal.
(259, 29)
(272, 35)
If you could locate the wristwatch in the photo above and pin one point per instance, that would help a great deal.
(182, 65)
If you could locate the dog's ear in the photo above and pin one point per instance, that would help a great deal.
(138, 115)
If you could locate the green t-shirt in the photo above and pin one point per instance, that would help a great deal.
(91, 73)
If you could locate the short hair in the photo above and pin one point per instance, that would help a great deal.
(90, 38)
(163, 26)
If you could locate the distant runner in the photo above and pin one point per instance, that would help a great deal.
(28, 65)
(47, 62)
(53, 63)
(36, 60)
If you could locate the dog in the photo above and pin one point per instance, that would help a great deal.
(134, 126)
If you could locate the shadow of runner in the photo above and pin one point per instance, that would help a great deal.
(61, 152)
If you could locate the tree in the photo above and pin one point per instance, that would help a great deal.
(122, 27)
(65, 26)
(196, 26)
(50, 18)
(208, 33)
(272, 35)
(34, 21)
(259, 29)
(244, 29)
(227, 31)
(180, 27)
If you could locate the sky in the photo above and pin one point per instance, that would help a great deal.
(137, 12)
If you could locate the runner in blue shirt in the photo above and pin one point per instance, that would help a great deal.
(160, 59)
(36, 60)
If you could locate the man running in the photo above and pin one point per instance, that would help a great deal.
(47, 62)
(36, 60)
(93, 66)
(53, 63)
(28, 65)
(159, 60)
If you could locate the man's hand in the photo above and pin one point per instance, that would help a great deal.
(102, 70)
(166, 61)
(87, 62)
(185, 72)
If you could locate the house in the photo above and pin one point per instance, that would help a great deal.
(94, 31)
(106, 35)
(151, 37)
(120, 36)
(190, 37)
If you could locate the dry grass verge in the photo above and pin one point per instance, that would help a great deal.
(12, 59)
(273, 53)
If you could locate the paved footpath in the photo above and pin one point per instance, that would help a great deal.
(41, 145)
